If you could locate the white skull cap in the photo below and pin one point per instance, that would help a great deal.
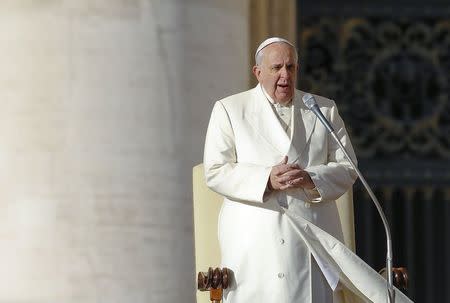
(270, 41)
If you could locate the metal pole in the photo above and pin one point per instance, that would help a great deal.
(390, 294)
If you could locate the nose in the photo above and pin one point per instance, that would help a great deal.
(284, 73)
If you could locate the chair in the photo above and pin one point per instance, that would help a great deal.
(207, 205)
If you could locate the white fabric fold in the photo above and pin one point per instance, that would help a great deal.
(354, 274)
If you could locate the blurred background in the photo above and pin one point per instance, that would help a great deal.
(105, 106)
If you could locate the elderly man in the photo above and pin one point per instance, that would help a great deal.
(280, 174)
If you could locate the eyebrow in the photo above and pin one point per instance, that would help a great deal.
(281, 64)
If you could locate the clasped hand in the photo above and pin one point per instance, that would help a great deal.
(284, 176)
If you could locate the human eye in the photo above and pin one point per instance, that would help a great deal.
(275, 67)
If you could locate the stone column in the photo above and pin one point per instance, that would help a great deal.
(104, 107)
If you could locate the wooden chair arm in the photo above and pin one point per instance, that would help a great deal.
(400, 277)
(214, 281)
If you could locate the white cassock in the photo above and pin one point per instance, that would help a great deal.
(273, 242)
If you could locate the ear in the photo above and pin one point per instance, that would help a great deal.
(256, 71)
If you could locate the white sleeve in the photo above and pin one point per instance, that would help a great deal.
(223, 174)
(334, 178)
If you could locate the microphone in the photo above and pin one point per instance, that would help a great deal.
(310, 103)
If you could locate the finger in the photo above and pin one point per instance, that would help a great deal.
(278, 167)
(285, 186)
(297, 182)
(287, 177)
(288, 167)
(293, 166)
(284, 179)
(293, 172)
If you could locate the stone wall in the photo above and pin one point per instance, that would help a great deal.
(104, 107)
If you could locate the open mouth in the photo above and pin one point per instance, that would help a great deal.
(283, 86)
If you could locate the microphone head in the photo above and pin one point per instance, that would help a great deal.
(309, 100)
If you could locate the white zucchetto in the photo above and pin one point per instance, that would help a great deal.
(270, 41)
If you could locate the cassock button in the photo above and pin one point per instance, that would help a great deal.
(281, 275)
(307, 204)
(282, 241)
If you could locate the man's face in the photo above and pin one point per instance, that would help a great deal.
(278, 71)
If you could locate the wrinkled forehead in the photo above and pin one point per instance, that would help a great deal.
(279, 52)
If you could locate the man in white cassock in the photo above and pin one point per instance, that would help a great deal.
(280, 173)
